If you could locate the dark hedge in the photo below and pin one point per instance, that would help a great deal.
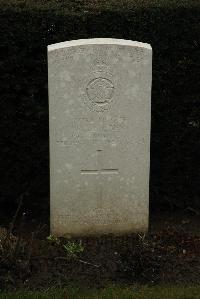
(173, 32)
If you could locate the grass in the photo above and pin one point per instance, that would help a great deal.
(125, 292)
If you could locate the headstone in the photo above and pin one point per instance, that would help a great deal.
(99, 102)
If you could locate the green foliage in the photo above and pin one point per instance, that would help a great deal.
(71, 248)
(54, 240)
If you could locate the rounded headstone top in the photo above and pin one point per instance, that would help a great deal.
(98, 41)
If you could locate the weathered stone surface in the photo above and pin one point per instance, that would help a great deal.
(99, 102)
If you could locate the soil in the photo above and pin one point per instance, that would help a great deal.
(170, 253)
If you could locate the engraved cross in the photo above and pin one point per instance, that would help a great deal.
(100, 171)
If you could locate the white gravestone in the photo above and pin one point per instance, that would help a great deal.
(100, 103)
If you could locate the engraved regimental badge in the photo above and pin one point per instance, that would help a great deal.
(100, 91)
(99, 88)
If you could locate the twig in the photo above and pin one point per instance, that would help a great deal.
(16, 213)
(63, 258)
(193, 210)
(87, 263)
(30, 247)
(79, 260)
(11, 226)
